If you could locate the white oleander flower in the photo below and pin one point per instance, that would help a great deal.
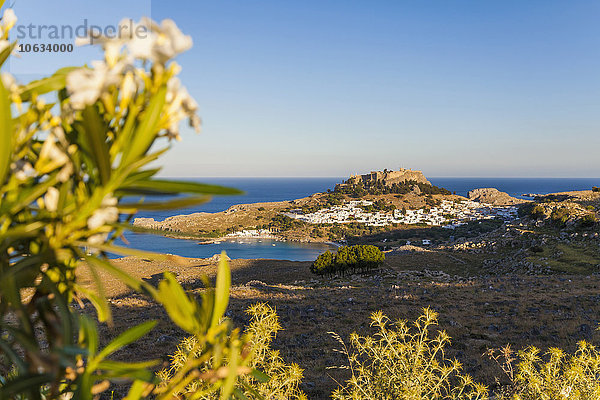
(22, 170)
(51, 156)
(146, 40)
(51, 199)
(112, 46)
(65, 173)
(142, 47)
(128, 89)
(9, 19)
(99, 238)
(9, 82)
(85, 85)
(171, 41)
(195, 122)
(160, 42)
(107, 214)
(59, 133)
(181, 105)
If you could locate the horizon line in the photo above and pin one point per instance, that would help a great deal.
(343, 177)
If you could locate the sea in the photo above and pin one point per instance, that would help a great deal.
(280, 189)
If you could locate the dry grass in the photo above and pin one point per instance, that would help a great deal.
(482, 313)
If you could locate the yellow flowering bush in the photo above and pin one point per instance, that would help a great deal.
(554, 375)
(405, 363)
(281, 380)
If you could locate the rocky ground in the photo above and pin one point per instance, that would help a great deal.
(479, 312)
(494, 197)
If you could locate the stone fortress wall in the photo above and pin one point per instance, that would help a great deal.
(389, 177)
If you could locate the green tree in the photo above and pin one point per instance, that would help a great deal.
(348, 259)
(323, 264)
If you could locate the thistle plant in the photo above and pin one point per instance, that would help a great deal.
(281, 381)
(554, 375)
(403, 362)
(73, 148)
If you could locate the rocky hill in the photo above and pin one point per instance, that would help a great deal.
(493, 196)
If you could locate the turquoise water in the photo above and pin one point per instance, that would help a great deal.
(517, 186)
(257, 190)
(278, 189)
(245, 248)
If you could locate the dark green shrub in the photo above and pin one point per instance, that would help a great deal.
(560, 216)
(525, 210)
(588, 220)
(378, 187)
(348, 259)
(537, 212)
(284, 223)
(531, 210)
(322, 264)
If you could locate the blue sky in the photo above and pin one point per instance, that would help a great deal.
(330, 88)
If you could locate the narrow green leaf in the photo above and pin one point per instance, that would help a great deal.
(88, 334)
(117, 369)
(127, 337)
(6, 53)
(22, 384)
(121, 366)
(221, 290)
(60, 305)
(98, 301)
(164, 205)
(22, 231)
(260, 376)
(73, 351)
(146, 132)
(124, 136)
(123, 276)
(52, 83)
(111, 248)
(140, 175)
(238, 394)
(124, 171)
(160, 187)
(181, 309)
(9, 289)
(28, 196)
(95, 131)
(231, 378)
(6, 127)
(84, 386)
(250, 389)
(136, 391)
